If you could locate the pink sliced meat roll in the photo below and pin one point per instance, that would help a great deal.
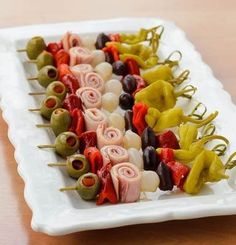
(93, 80)
(70, 40)
(79, 55)
(93, 117)
(114, 154)
(126, 179)
(90, 97)
(108, 136)
(81, 69)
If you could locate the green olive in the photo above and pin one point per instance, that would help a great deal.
(34, 47)
(49, 104)
(66, 144)
(88, 186)
(60, 121)
(57, 89)
(44, 59)
(77, 165)
(46, 75)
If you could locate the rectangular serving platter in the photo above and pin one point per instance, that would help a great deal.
(57, 213)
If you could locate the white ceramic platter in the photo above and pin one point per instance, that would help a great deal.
(57, 213)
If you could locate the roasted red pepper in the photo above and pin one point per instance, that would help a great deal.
(167, 139)
(94, 158)
(133, 67)
(139, 112)
(71, 83)
(53, 48)
(87, 139)
(179, 173)
(107, 192)
(72, 102)
(62, 57)
(166, 155)
(114, 37)
(113, 51)
(77, 124)
(63, 70)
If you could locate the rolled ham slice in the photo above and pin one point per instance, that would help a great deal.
(114, 154)
(93, 117)
(93, 80)
(90, 97)
(70, 40)
(126, 179)
(80, 70)
(108, 136)
(79, 55)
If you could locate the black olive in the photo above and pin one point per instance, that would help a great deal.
(129, 84)
(126, 101)
(101, 41)
(150, 158)
(128, 121)
(164, 173)
(109, 58)
(119, 68)
(148, 138)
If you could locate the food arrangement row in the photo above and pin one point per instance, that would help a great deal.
(111, 103)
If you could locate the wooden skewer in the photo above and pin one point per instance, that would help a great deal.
(36, 109)
(46, 146)
(21, 50)
(59, 164)
(36, 93)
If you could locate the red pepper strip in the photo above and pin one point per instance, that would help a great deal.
(77, 124)
(179, 173)
(113, 51)
(132, 65)
(87, 139)
(63, 70)
(167, 139)
(139, 112)
(166, 155)
(72, 102)
(114, 37)
(71, 83)
(53, 48)
(94, 158)
(62, 57)
(107, 192)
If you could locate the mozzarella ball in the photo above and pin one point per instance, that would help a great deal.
(117, 121)
(104, 69)
(132, 140)
(113, 86)
(135, 158)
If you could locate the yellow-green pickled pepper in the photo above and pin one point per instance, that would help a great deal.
(161, 95)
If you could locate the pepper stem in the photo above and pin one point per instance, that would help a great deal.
(36, 93)
(171, 62)
(35, 109)
(68, 188)
(231, 163)
(187, 92)
(219, 149)
(196, 108)
(45, 125)
(21, 50)
(58, 164)
(46, 146)
(181, 78)
(202, 122)
(206, 139)
(32, 78)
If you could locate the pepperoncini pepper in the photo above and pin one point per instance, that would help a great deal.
(207, 167)
(159, 121)
(141, 36)
(139, 49)
(187, 135)
(164, 72)
(161, 95)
